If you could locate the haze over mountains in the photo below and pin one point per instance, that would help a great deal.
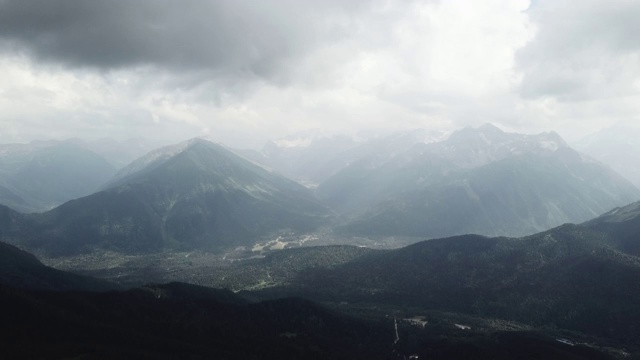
(371, 179)
(200, 195)
(311, 160)
(617, 146)
(194, 195)
(39, 176)
(481, 181)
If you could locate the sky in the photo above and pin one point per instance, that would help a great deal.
(244, 71)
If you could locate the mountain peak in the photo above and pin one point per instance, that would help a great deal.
(554, 136)
(486, 134)
(489, 127)
(550, 140)
(193, 195)
(156, 158)
(201, 141)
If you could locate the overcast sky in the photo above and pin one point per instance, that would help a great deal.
(244, 71)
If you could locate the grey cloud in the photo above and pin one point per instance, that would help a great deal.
(243, 37)
(581, 50)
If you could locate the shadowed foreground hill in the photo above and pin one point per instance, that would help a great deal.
(180, 321)
(623, 227)
(20, 269)
(569, 277)
(185, 321)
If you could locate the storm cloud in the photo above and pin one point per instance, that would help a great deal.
(243, 37)
(244, 71)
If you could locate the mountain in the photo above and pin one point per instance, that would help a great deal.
(195, 195)
(307, 160)
(19, 269)
(623, 227)
(618, 147)
(569, 277)
(482, 181)
(119, 153)
(38, 176)
(178, 320)
(573, 279)
(312, 160)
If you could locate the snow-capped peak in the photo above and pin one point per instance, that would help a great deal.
(154, 157)
(293, 142)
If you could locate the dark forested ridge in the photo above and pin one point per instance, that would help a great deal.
(178, 321)
(565, 277)
(623, 227)
(571, 278)
(20, 269)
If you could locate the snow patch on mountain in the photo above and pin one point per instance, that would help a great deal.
(153, 158)
(294, 143)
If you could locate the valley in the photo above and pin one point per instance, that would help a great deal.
(479, 242)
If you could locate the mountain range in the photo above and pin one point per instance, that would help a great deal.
(193, 195)
(201, 195)
(39, 176)
(311, 160)
(482, 181)
(618, 147)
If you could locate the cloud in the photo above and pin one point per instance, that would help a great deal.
(241, 38)
(243, 71)
(251, 69)
(582, 50)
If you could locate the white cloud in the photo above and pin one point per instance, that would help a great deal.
(580, 70)
(587, 49)
(336, 67)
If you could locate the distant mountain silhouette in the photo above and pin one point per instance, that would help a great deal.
(482, 181)
(618, 147)
(196, 195)
(38, 176)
